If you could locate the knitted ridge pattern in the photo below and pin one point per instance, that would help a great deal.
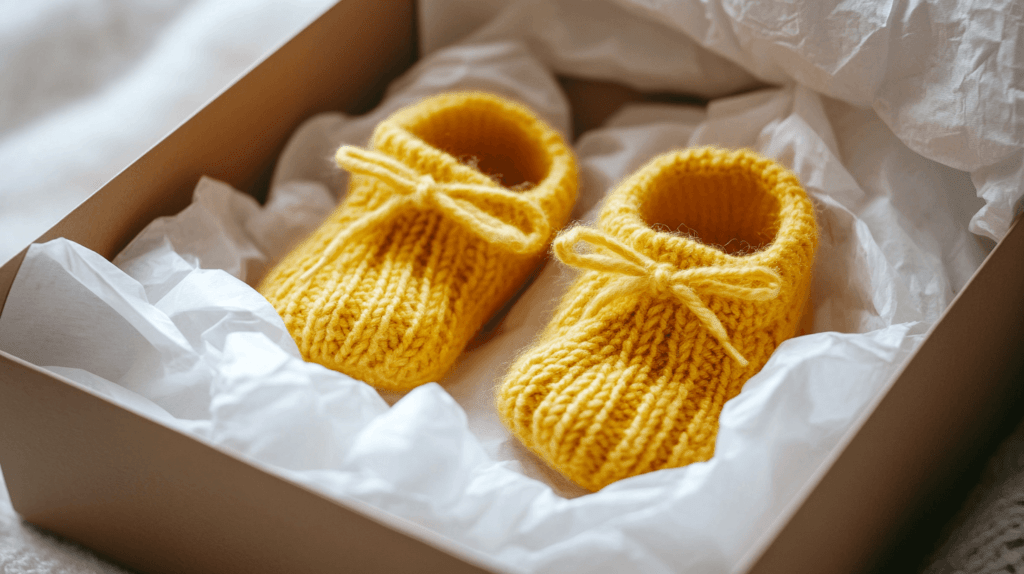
(447, 214)
(700, 269)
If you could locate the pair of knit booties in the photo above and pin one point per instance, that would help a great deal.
(699, 269)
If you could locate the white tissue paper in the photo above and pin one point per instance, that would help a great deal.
(943, 75)
(171, 329)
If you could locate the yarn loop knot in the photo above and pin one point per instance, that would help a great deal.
(425, 188)
(634, 271)
(662, 277)
(481, 209)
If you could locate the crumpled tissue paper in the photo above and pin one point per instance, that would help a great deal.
(944, 76)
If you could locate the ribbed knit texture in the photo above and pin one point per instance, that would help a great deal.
(446, 216)
(630, 375)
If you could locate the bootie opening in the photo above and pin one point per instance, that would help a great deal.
(498, 139)
(724, 205)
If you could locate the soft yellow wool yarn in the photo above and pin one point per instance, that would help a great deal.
(446, 216)
(700, 269)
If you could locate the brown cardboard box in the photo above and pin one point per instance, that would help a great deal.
(156, 500)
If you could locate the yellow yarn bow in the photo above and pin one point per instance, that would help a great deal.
(464, 203)
(636, 270)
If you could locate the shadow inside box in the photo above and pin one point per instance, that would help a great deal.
(914, 550)
(260, 186)
(594, 101)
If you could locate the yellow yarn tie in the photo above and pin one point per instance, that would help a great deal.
(464, 203)
(637, 271)
(425, 249)
(640, 385)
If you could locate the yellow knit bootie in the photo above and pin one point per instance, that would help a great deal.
(700, 269)
(446, 216)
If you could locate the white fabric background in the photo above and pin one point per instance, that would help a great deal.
(87, 86)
